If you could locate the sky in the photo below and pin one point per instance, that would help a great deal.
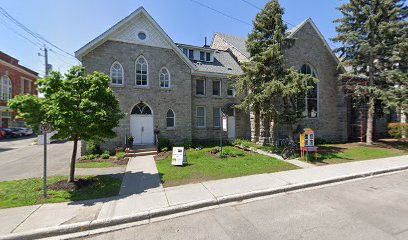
(70, 24)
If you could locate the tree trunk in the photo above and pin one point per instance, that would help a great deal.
(370, 121)
(73, 159)
(254, 118)
(264, 130)
(289, 129)
(403, 120)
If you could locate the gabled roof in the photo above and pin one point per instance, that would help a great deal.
(138, 12)
(236, 41)
(239, 42)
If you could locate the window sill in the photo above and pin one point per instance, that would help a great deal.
(201, 128)
(171, 129)
(117, 85)
(230, 96)
(164, 88)
(216, 96)
(142, 87)
(200, 96)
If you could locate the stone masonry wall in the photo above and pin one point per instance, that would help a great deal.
(177, 98)
(332, 121)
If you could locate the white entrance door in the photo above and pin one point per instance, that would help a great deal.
(231, 128)
(141, 127)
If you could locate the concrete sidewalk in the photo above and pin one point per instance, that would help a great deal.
(152, 202)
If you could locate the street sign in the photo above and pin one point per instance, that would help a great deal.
(178, 157)
(225, 123)
(45, 128)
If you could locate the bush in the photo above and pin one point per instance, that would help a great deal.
(187, 145)
(120, 155)
(105, 155)
(396, 129)
(230, 152)
(164, 145)
(242, 142)
(93, 147)
(90, 157)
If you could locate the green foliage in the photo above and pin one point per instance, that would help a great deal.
(373, 36)
(120, 155)
(77, 105)
(30, 109)
(230, 152)
(187, 145)
(90, 157)
(105, 155)
(242, 142)
(396, 130)
(273, 89)
(164, 144)
(93, 147)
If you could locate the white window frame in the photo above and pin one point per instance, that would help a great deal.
(147, 73)
(229, 86)
(203, 56)
(219, 116)
(192, 50)
(205, 88)
(174, 119)
(111, 74)
(305, 113)
(220, 88)
(169, 77)
(3, 89)
(205, 117)
(209, 57)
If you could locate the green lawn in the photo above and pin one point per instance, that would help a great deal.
(202, 166)
(341, 153)
(29, 191)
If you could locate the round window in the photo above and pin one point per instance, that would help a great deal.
(141, 35)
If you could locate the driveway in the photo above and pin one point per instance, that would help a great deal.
(19, 159)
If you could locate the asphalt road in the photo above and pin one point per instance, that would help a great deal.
(374, 208)
(19, 159)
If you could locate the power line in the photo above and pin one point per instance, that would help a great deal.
(19, 34)
(255, 6)
(224, 14)
(34, 34)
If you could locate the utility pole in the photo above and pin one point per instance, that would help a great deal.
(45, 127)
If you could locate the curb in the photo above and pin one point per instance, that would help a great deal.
(109, 222)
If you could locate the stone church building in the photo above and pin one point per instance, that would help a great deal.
(183, 90)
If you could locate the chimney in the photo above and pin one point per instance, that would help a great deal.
(205, 42)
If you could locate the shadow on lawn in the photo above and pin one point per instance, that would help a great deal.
(330, 152)
(144, 181)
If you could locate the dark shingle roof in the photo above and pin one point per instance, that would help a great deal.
(239, 42)
(224, 63)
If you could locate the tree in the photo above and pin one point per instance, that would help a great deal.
(78, 106)
(269, 87)
(369, 32)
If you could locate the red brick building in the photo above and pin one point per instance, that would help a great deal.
(14, 80)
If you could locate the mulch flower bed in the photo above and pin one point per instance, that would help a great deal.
(116, 161)
(162, 155)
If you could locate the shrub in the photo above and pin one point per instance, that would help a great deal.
(164, 145)
(93, 147)
(242, 142)
(231, 152)
(105, 155)
(90, 157)
(187, 145)
(396, 129)
(120, 155)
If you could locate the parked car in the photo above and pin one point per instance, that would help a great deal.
(25, 131)
(18, 131)
(11, 133)
(2, 133)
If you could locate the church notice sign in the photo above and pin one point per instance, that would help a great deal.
(179, 156)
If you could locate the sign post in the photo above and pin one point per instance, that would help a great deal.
(224, 129)
(45, 128)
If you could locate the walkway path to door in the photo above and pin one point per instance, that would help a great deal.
(141, 190)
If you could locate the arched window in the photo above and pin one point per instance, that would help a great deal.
(141, 109)
(141, 72)
(164, 78)
(116, 74)
(170, 119)
(309, 102)
(5, 88)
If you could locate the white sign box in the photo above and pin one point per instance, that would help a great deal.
(225, 123)
(178, 157)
